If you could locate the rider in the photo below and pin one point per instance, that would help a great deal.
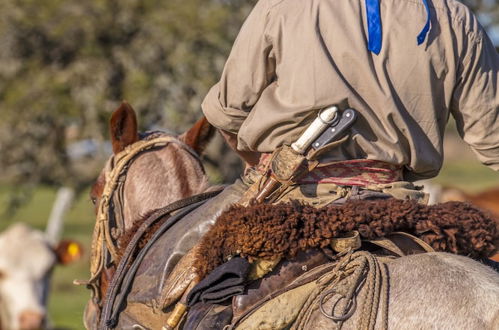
(404, 65)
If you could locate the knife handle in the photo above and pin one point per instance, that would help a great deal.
(325, 117)
(347, 119)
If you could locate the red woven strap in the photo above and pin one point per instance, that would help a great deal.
(358, 172)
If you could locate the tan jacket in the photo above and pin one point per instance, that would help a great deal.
(293, 57)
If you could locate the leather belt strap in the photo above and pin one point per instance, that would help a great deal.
(355, 172)
(123, 276)
(402, 244)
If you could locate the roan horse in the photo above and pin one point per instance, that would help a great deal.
(176, 168)
(431, 290)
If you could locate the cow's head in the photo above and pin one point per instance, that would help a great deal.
(26, 263)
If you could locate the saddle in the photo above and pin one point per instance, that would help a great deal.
(259, 233)
(289, 280)
(276, 300)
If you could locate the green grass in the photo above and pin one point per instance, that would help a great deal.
(468, 174)
(67, 301)
(461, 168)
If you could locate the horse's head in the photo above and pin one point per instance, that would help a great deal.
(146, 171)
(156, 175)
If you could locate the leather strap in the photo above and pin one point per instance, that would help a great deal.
(422, 244)
(123, 276)
(402, 244)
(102, 240)
(387, 244)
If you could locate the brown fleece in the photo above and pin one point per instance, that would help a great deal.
(127, 237)
(268, 231)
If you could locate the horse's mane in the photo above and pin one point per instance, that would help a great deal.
(270, 231)
(124, 239)
(149, 135)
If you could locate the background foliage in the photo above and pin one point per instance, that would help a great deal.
(66, 64)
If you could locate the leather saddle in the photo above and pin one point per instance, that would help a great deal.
(288, 284)
(143, 308)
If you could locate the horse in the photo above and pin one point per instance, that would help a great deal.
(430, 290)
(174, 159)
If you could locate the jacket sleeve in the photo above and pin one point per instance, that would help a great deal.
(476, 100)
(248, 70)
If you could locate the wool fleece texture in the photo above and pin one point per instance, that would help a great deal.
(269, 231)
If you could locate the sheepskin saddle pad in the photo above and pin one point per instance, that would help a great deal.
(296, 239)
(271, 232)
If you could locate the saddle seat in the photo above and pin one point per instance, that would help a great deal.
(289, 281)
(274, 300)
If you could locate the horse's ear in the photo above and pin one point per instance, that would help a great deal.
(123, 127)
(198, 136)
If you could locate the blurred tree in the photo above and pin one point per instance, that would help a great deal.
(66, 64)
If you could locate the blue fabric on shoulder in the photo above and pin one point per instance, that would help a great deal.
(374, 26)
(374, 30)
(422, 35)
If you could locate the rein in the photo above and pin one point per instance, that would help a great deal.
(103, 241)
(123, 277)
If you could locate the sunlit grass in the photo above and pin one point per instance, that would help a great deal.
(468, 175)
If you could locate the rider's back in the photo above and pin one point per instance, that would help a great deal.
(294, 56)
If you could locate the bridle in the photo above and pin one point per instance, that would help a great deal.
(109, 222)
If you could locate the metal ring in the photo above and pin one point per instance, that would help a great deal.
(336, 117)
(352, 306)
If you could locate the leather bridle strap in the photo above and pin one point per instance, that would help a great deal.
(102, 239)
(123, 277)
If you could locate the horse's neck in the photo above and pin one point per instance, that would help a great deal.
(159, 178)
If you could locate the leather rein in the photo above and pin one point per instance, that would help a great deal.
(127, 268)
(109, 221)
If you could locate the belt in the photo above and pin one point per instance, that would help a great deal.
(356, 172)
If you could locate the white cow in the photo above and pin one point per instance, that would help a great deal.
(26, 262)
